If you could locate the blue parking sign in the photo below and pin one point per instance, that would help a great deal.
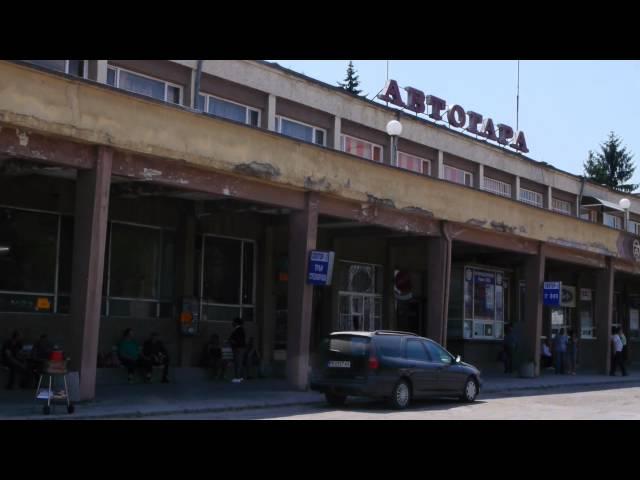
(320, 267)
(552, 294)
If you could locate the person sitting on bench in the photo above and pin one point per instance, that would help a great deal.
(155, 353)
(129, 353)
(13, 360)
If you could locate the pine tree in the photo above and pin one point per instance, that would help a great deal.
(351, 82)
(612, 167)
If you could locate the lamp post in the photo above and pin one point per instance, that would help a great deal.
(625, 204)
(394, 129)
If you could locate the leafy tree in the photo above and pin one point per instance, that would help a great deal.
(612, 166)
(351, 82)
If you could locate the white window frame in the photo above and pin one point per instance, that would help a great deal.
(617, 221)
(423, 162)
(466, 175)
(633, 227)
(343, 145)
(497, 187)
(208, 96)
(372, 297)
(166, 83)
(531, 197)
(312, 127)
(85, 68)
(561, 206)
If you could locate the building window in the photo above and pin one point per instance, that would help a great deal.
(561, 206)
(144, 85)
(590, 215)
(29, 243)
(229, 110)
(361, 148)
(413, 163)
(140, 271)
(633, 227)
(532, 198)
(227, 282)
(360, 297)
(301, 131)
(483, 304)
(71, 67)
(612, 221)
(457, 175)
(496, 186)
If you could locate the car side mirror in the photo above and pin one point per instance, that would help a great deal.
(458, 359)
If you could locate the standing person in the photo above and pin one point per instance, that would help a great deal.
(572, 352)
(252, 359)
(616, 348)
(624, 345)
(560, 350)
(509, 345)
(155, 353)
(546, 360)
(12, 359)
(213, 356)
(237, 342)
(41, 352)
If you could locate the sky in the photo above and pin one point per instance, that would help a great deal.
(567, 107)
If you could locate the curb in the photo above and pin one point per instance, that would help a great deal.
(572, 385)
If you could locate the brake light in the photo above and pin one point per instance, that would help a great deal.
(373, 363)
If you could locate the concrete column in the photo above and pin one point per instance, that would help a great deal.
(549, 197)
(303, 229)
(480, 176)
(337, 130)
(390, 299)
(440, 164)
(603, 316)
(271, 113)
(528, 336)
(185, 264)
(89, 241)
(516, 191)
(268, 304)
(438, 280)
(97, 70)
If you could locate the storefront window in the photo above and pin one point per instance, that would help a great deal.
(28, 259)
(360, 297)
(228, 277)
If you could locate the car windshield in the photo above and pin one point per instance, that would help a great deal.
(351, 346)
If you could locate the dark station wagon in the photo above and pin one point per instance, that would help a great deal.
(396, 366)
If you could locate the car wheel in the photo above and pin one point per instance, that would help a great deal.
(401, 395)
(471, 390)
(335, 400)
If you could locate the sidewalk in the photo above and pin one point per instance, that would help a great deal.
(157, 399)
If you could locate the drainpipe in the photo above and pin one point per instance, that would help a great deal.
(196, 89)
(578, 207)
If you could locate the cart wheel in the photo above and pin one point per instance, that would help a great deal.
(71, 408)
(46, 409)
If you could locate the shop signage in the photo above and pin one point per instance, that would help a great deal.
(456, 116)
(585, 294)
(551, 293)
(320, 267)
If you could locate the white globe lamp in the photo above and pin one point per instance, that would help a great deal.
(394, 128)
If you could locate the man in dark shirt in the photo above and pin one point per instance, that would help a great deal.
(12, 359)
(238, 345)
(155, 353)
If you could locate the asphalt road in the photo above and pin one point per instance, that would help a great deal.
(549, 404)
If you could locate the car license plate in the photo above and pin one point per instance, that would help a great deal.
(339, 364)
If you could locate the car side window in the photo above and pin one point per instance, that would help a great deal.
(416, 351)
(437, 353)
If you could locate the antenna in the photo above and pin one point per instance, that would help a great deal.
(518, 100)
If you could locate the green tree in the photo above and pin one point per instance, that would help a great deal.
(352, 81)
(612, 166)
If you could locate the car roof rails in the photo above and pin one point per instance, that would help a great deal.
(395, 332)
